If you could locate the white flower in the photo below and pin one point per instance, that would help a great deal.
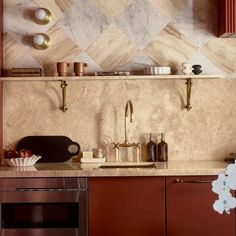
(231, 182)
(224, 203)
(231, 169)
(220, 185)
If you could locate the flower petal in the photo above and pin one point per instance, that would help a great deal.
(220, 184)
(231, 169)
(218, 206)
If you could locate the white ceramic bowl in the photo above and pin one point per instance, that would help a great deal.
(157, 70)
(23, 161)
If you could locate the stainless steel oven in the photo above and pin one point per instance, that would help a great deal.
(43, 207)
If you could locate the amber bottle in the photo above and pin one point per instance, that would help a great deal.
(162, 149)
(151, 150)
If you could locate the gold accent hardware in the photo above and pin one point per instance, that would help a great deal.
(128, 107)
(189, 86)
(63, 86)
(42, 16)
(136, 146)
(115, 145)
(117, 151)
(127, 145)
(138, 149)
(41, 41)
(180, 181)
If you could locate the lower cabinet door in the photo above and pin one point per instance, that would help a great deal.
(189, 209)
(123, 206)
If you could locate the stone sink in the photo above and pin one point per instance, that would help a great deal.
(128, 165)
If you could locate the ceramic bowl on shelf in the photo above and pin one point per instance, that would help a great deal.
(157, 70)
(22, 161)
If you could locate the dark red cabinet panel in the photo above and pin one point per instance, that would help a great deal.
(226, 18)
(127, 206)
(190, 212)
(1, 83)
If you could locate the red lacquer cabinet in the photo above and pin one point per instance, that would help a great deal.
(226, 18)
(189, 209)
(1, 83)
(127, 206)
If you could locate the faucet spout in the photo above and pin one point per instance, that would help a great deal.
(129, 149)
(129, 106)
(128, 112)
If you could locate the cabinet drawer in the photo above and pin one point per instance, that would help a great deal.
(189, 208)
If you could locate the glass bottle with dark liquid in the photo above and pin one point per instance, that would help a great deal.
(162, 153)
(151, 150)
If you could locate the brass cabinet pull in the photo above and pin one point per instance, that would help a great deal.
(180, 181)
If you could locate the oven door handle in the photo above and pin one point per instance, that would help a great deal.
(47, 190)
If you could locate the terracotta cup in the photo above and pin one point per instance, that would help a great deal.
(62, 68)
(79, 68)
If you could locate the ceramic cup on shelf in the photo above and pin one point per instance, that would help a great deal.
(79, 68)
(62, 68)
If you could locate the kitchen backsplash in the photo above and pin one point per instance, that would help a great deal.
(123, 35)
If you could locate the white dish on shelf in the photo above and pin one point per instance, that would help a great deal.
(158, 70)
(23, 161)
(93, 160)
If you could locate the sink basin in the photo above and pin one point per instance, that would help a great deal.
(128, 165)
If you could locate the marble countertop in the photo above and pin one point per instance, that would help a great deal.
(172, 168)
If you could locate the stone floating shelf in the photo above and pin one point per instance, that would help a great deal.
(130, 77)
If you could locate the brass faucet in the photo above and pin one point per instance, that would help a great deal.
(128, 107)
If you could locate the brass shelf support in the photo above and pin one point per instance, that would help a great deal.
(63, 86)
(189, 84)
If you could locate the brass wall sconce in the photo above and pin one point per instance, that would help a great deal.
(41, 41)
(42, 16)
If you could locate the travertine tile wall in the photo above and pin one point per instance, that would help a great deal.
(123, 35)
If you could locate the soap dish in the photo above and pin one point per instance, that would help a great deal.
(93, 160)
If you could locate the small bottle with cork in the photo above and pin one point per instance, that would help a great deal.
(162, 154)
(151, 150)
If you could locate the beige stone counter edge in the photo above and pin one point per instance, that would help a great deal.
(174, 168)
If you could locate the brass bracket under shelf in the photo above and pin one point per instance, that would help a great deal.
(189, 84)
(63, 86)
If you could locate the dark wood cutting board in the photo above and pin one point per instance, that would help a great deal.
(51, 148)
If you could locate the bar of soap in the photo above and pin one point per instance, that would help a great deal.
(87, 154)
